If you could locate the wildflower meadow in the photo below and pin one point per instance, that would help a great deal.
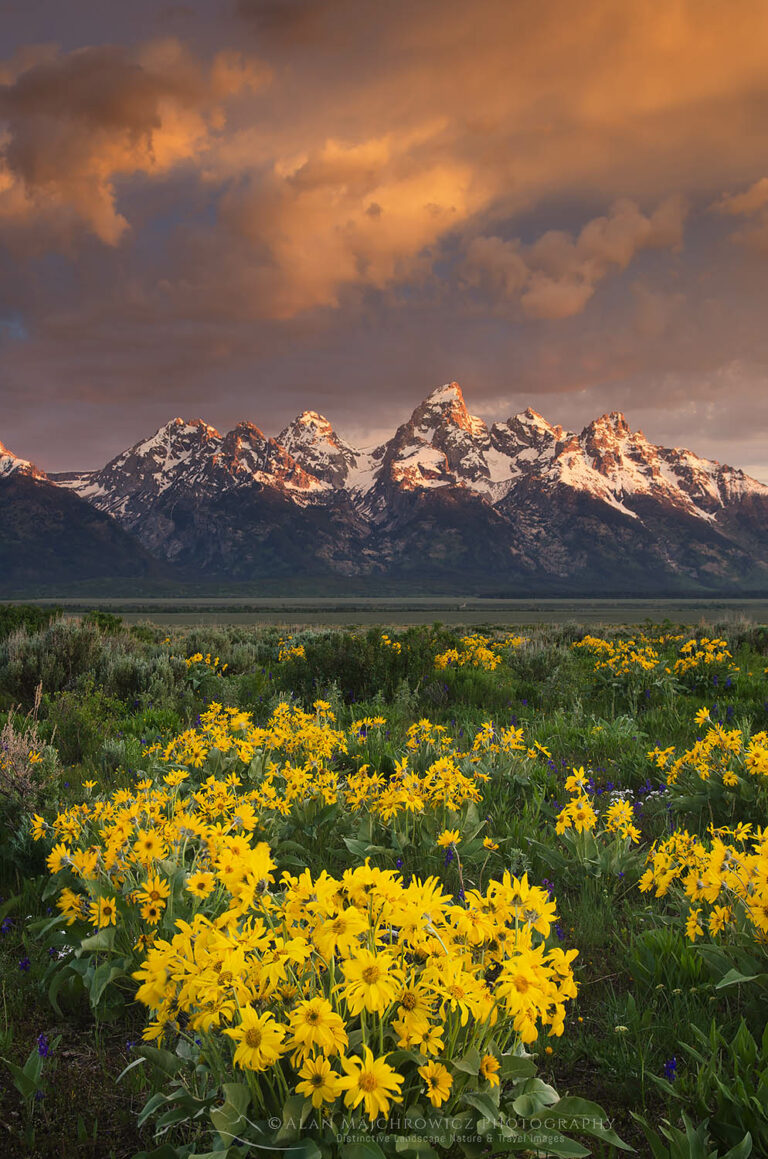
(375, 892)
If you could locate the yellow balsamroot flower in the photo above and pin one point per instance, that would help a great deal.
(449, 837)
(577, 781)
(415, 1007)
(371, 1081)
(201, 884)
(84, 862)
(106, 912)
(149, 846)
(438, 1081)
(431, 1041)
(720, 917)
(578, 814)
(320, 1083)
(619, 818)
(155, 889)
(701, 715)
(175, 777)
(316, 1025)
(489, 843)
(457, 988)
(38, 826)
(340, 933)
(59, 858)
(693, 927)
(489, 1069)
(259, 1040)
(371, 981)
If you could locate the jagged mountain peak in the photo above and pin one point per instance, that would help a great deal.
(532, 425)
(245, 430)
(449, 392)
(11, 464)
(445, 406)
(319, 450)
(613, 424)
(312, 419)
(171, 435)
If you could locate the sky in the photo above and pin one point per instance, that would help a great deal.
(241, 209)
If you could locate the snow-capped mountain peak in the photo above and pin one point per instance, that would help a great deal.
(320, 451)
(444, 407)
(11, 464)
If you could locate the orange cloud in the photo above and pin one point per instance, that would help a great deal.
(753, 202)
(77, 122)
(348, 215)
(557, 275)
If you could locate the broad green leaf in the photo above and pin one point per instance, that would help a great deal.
(367, 1150)
(101, 940)
(590, 1119)
(162, 1059)
(742, 1150)
(469, 1063)
(514, 1066)
(483, 1103)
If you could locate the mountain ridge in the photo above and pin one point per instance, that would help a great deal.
(522, 501)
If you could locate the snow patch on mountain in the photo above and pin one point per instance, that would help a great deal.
(11, 464)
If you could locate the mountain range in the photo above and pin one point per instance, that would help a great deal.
(448, 503)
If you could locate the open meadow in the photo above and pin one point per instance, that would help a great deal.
(346, 893)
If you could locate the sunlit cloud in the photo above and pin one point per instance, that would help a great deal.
(549, 202)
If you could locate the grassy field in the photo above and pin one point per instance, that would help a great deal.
(565, 788)
(398, 612)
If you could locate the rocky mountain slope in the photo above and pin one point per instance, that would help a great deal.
(518, 506)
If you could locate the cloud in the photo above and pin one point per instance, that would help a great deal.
(77, 122)
(557, 275)
(754, 198)
(343, 215)
(418, 185)
(753, 202)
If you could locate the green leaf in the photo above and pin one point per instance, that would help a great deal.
(362, 848)
(742, 1150)
(539, 1142)
(532, 1096)
(295, 1112)
(25, 1084)
(101, 940)
(105, 974)
(733, 978)
(237, 1095)
(367, 1150)
(514, 1066)
(162, 1059)
(413, 1145)
(39, 928)
(304, 1149)
(62, 976)
(469, 1063)
(131, 1065)
(482, 1102)
(591, 1119)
